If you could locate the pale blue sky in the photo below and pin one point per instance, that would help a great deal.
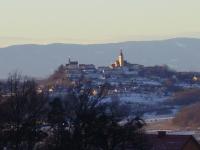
(96, 21)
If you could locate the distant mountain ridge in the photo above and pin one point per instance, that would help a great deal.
(41, 60)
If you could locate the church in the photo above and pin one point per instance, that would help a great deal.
(120, 61)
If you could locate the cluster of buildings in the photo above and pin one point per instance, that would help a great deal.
(117, 72)
(145, 86)
(127, 78)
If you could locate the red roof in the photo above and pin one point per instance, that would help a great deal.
(169, 142)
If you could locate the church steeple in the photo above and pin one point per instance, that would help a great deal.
(121, 58)
(121, 53)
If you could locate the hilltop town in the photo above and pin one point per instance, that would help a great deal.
(155, 93)
(151, 88)
(100, 75)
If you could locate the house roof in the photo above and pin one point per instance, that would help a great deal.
(170, 142)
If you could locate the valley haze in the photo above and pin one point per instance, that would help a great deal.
(181, 54)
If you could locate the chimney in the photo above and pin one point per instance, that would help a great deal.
(161, 134)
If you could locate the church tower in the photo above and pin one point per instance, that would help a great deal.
(121, 59)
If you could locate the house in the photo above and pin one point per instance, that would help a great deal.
(164, 141)
(72, 64)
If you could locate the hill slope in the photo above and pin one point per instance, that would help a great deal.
(188, 116)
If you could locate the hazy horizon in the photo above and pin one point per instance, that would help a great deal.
(98, 43)
(96, 21)
(107, 23)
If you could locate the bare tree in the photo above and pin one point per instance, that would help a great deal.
(86, 122)
(21, 113)
(81, 121)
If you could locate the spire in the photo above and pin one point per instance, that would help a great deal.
(121, 58)
(121, 52)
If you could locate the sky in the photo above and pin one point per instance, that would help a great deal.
(96, 21)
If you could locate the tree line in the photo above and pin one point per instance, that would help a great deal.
(80, 121)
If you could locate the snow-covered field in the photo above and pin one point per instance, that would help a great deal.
(150, 98)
